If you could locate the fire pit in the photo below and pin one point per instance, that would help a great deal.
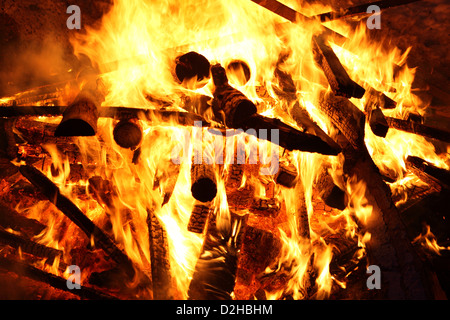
(218, 150)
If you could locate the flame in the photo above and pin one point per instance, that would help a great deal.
(134, 50)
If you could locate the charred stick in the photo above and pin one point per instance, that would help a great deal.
(70, 210)
(80, 117)
(236, 111)
(361, 9)
(330, 193)
(159, 258)
(29, 246)
(418, 128)
(345, 116)
(10, 218)
(26, 270)
(203, 179)
(128, 133)
(287, 173)
(285, 136)
(265, 207)
(427, 171)
(337, 77)
(7, 140)
(294, 16)
(199, 216)
(378, 99)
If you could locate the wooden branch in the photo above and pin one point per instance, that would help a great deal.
(203, 179)
(419, 129)
(159, 258)
(361, 10)
(345, 116)
(285, 136)
(265, 207)
(70, 210)
(330, 193)
(427, 171)
(10, 218)
(377, 122)
(405, 276)
(199, 216)
(337, 77)
(8, 147)
(229, 104)
(294, 16)
(26, 270)
(80, 117)
(379, 99)
(128, 133)
(29, 246)
(287, 173)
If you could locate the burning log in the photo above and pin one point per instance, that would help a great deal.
(266, 207)
(287, 174)
(236, 111)
(259, 250)
(26, 270)
(215, 271)
(419, 129)
(376, 119)
(239, 71)
(428, 172)
(52, 192)
(345, 116)
(10, 218)
(405, 276)
(128, 134)
(199, 216)
(7, 140)
(337, 77)
(80, 117)
(159, 258)
(289, 137)
(192, 66)
(29, 246)
(331, 194)
(379, 99)
(294, 16)
(203, 180)
(361, 10)
(230, 105)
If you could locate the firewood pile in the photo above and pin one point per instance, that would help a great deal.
(155, 203)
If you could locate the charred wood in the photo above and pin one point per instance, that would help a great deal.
(199, 216)
(29, 246)
(345, 116)
(418, 128)
(361, 10)
(80, 117)
(377, 99)
(66, 206)
(128, 133)
(337, 77)
(330, 193)
(427, 171)
(159, 258)
(203, 180)
(265, 207)
(26, 270)
(10, 218)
